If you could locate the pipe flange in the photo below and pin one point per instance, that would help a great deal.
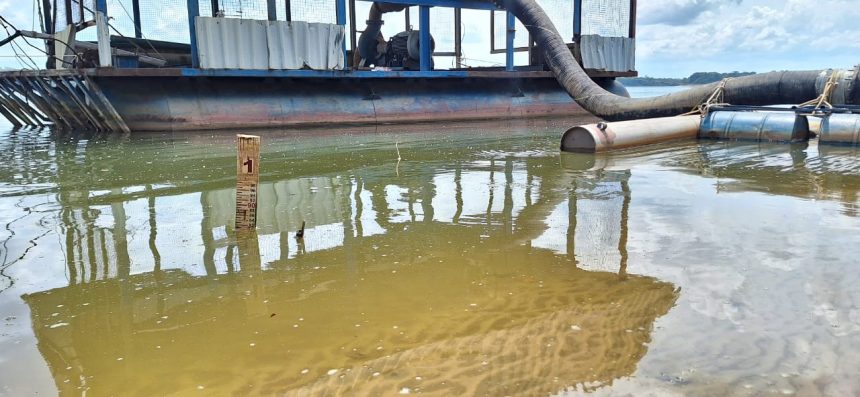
(846, 88)
(847, 82)
(853, 89)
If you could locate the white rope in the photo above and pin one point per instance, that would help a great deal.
(823, 100)
(716, 98)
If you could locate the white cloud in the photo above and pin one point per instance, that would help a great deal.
(752, 35)
(677, 12)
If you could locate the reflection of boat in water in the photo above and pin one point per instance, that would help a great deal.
(826, 171)
(415, 245)
(806, 170)
(442, 334)
(437, 282)
(492, 259)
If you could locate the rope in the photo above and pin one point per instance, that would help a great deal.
(823, 100)
(717, 98)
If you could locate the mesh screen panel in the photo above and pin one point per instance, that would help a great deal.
(168, 19)
(300, 10)
(247, 9)
(165, 20)
(75, 11)
(560, 13)
(607, 18)
(121, 17)
(521, 37)
(314, 11)
(441, 28)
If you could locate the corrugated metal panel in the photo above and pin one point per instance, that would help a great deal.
(611, 54)
(293, 45)
(231, 43)
(325, 46)
(285, 46)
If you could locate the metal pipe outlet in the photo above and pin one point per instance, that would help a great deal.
(601, 137)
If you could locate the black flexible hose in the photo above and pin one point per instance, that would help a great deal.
(367, 42)
(787, 87)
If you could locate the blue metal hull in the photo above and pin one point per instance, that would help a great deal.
(191, 99)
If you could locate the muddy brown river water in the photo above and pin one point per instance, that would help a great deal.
(484, 262)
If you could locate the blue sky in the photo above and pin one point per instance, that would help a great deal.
(678, 37)
(675, 37)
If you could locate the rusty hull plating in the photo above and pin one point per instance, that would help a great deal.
(188, 99)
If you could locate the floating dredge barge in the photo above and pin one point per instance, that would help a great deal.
(226, 64)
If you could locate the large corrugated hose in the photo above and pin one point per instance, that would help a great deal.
(789, 87)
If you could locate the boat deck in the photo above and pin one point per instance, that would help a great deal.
(330, 74)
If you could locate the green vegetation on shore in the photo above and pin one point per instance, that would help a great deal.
(693, 79)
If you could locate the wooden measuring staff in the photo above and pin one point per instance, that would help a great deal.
(247, 181)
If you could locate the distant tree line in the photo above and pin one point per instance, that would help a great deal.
(693, 79)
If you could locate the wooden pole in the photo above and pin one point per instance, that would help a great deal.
(340, 15)
(632, 33)
(510, 34)
(193, 12)
(352, 36)
(135, 11)
(103, 36)
(406, 19)
(426, 58)
(247, 180)
(69, 19)
(458, 43)
(272, 10)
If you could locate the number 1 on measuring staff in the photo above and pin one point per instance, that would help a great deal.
(247, 180)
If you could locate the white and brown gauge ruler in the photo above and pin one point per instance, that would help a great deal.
(247, 181)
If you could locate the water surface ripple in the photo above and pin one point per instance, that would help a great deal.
(484, 262)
